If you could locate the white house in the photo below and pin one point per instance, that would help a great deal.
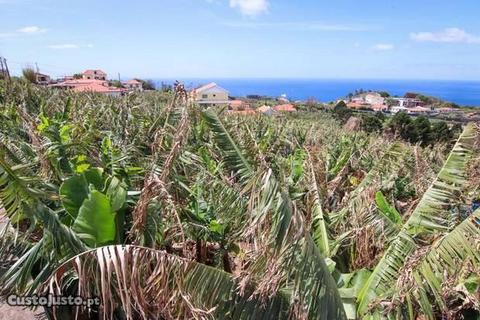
(210, 95)
(396, 109)
(409, 102)
(419, 110)
(374, 98)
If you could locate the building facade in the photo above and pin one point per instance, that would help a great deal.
(133, 85)
(210, 95)
(94, 75)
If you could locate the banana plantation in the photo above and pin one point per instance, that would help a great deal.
(164, 210)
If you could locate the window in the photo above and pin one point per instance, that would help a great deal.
(204, 96)
(214, 95)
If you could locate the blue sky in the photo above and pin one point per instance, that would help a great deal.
(408, 39)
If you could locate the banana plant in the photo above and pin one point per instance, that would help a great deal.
(93, 203)
(432, 216)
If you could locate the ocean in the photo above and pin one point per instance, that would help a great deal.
(465, 93)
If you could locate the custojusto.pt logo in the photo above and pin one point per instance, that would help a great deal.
(52, 300)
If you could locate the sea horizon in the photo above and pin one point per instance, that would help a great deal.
(461, 92)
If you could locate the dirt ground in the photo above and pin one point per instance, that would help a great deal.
(16, 313)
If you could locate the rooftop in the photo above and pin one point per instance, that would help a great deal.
(208, 86)
(93, 72)
(285, 107)
(95, 87)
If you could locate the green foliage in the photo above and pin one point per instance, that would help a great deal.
(431, 216)
(115, 83)
(147, 84)
(388, 210)
(384, 94)
(268, 217)
(372, 123)
(83, 197)
(95, 223)
(29, 74)
(420, 130)
(441, 132)
(403, 189)
(341, 111)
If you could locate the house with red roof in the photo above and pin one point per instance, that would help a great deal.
(92, 85)
(92, 74)
(266, 110)
(285, 108)
(379, 107)
(133, 85)
(238, 105)
(98, 88)
(355, 105)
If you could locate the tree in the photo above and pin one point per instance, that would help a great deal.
(410, 95)
(441, 132)
(29, 74)
(165, 87)
(421, 131)
(390, 102)
(400, 124)
(77, 76)
(384, 94)
(341, 111)
(147, 84)
(380, 115)
(372, 123)
(115, 83)
(424, 98)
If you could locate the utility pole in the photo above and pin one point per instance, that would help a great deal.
(4, 73)
(1, 66)
(4, 68)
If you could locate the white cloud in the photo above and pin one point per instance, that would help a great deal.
(31, 30)
(64, 46)
(383, 47)
(449, 35)
(250, 7)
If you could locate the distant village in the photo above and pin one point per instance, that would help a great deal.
(214, 95)
(410, 104)
(211, 94)
(90, 81)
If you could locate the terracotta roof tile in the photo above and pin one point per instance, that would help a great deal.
(285, 107)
